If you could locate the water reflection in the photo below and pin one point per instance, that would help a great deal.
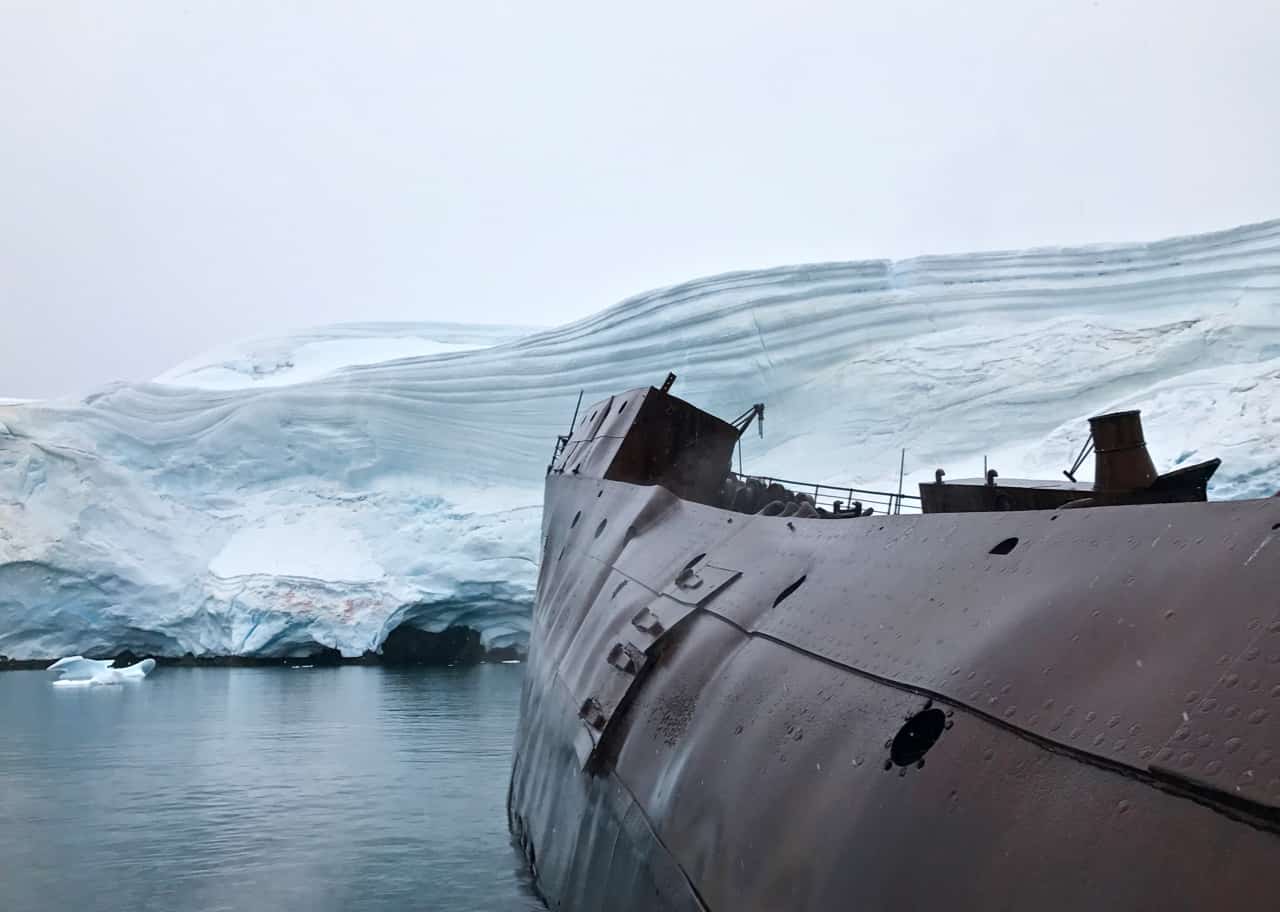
(324, 788)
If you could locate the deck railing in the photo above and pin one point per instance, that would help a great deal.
(827, 496)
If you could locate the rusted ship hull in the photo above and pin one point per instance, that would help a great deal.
(746, 712)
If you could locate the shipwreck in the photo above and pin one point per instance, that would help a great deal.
(751, 694)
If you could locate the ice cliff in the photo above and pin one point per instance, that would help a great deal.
(320, 490)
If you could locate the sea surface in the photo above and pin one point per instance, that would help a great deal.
(347, 788)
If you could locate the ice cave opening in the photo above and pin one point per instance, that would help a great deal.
(410, 645)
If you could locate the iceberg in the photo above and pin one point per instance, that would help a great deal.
(79, 671)
(316, 492)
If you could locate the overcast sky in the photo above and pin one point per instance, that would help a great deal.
(174, 175)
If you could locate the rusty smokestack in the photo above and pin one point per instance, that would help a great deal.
(1121, 461)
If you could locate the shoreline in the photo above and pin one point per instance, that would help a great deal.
(404, 647)
(491, 656)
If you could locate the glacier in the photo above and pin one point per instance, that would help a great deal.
(317, 491)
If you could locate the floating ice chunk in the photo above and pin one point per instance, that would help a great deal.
(78, 668)
(79, 671)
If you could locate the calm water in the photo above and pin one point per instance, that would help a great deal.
(335, 788)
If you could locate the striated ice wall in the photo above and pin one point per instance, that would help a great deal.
(321, 489)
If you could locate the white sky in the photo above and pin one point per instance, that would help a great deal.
(174, 175)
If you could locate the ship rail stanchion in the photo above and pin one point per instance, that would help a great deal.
(888, 503)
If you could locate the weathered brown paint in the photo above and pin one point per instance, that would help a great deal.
(1109, 678)
(1121, 462)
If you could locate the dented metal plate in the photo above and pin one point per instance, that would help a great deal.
(604, 648)
(623, 646)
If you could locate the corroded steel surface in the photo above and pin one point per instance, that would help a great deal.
(1122, 462)
(649, 436)
(724, 711)
(1122, 470)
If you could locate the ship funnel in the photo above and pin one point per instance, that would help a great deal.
(1121, 461)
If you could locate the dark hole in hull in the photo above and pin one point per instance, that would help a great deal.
(1005, 546)
(782, 596)
(915, 738)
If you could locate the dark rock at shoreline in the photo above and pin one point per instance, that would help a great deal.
(405, 646)
(8, 664)
(325, 656)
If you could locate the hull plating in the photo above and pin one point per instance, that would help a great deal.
(1107, 679)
